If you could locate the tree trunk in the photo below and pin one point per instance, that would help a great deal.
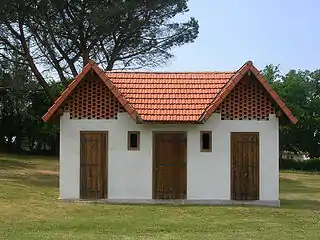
(85, 57)
(32, 65)
(40, 79)
(17, 144)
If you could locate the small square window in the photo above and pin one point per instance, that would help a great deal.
(206, 141)
(133, 140)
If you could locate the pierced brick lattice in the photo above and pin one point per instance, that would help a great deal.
(247, 101)
(91, 99)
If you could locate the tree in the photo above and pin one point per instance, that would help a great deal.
(14, 103)
(301, 92)
(22, 103)
(272, 73)
(62, 35)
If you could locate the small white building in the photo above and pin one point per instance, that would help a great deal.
(146, 137)
(296, 156)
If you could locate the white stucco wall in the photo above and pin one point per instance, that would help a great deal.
(130, 172)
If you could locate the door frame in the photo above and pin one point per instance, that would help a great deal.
(106, 157)
(231, 164)
(154, 133)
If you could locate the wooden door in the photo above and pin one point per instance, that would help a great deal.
(245, 166)
(170, 166)
(93, 165)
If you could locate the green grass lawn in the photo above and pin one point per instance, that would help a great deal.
(30, 209)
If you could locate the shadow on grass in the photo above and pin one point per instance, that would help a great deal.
(37, 179)
(6, 163)
(295, 186)
(299, 172)
(300, 204)
(45, 176)
(290, 186)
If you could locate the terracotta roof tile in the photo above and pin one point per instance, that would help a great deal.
(169, 96)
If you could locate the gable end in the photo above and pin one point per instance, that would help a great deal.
(86, 103)
(247, 69)
(248, 100)
(91, 99)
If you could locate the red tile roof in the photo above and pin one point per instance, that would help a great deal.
(170, 97)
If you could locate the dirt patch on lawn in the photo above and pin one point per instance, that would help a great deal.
(48, 172)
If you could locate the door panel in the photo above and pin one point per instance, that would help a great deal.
(170, 166)
(93, 165)
(245, 166)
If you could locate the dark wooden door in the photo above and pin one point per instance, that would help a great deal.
(245, 166)
(93, 165)
(170, 166)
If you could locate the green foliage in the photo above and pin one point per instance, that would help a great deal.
(300, 90)
(300, 165)
(21, 106)
(63, 35)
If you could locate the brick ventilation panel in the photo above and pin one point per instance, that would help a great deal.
(247, 101)
(91, 99)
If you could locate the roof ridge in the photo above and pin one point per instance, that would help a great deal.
(170, 89)
(165, 72)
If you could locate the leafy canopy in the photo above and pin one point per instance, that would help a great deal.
(62, 35)
(301, 92)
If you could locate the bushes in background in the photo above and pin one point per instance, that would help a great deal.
(305, 165)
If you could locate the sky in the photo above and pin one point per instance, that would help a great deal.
(285, 32)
